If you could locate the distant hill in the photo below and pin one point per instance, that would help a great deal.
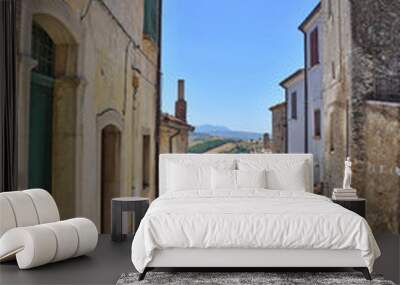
(211, 129)
(204, 131)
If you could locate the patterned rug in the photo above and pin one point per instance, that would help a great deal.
(228, 278)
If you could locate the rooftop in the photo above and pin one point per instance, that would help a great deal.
(297, 74)
(276, 106)
(168, 118)
(310, 17)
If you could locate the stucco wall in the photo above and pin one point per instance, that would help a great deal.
(315, 99)
(110, 57)
(105, 94)
(295, 125)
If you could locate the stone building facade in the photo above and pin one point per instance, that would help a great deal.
(174, 130)
(361, 87)
(312, 29)
(88, 101)
(279, 125)
(295, 113)
(304, 97)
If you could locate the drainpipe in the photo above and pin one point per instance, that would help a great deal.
(347, 129)
(171, 138)
(342, 78)
(305, 94)
(86, 10)
(126, 59)
(287, 122)
(158, 100)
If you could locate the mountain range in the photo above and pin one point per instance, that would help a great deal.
(203, 131)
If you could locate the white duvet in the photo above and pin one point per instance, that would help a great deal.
(250, 219)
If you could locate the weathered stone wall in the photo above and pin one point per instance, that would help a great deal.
(382, 176)
(165, 133)
(362, 66)
(336, 89)
(180, 142)
(375, 28)
(279, 126)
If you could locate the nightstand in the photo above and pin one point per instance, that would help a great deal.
(358, 205)
(138, 205)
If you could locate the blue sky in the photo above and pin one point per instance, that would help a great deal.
(232, 55)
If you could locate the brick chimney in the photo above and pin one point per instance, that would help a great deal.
(180, 104)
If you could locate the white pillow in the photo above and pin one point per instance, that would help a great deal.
(223, 179)
(183, 177)
(282, 174)
(291, 179)
(251, 178)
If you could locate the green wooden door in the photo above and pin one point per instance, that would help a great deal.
(40, 131)
(40, 113)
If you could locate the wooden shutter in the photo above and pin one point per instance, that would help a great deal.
(314, 47)
(294, 105)
(317, 123)
(150, 20)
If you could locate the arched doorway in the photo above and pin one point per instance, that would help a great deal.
(41, 110)
(52, 106)
(110, 172)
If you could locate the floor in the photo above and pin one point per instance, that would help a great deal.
(389, 262)
(110, 260)
(103, 266)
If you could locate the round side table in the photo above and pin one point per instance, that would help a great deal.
(138, 205)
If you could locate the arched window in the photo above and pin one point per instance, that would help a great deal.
(43, 51)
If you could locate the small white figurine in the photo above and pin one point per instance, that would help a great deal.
(347, 174)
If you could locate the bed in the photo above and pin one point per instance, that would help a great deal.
(245, 211)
